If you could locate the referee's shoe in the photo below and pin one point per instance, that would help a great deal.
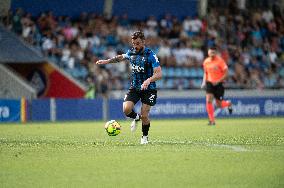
(211, 123)
(230, 108)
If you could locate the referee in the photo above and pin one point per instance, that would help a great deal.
(215, 72)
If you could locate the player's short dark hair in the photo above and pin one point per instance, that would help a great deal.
(138, 34)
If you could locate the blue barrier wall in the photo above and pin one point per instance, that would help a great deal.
(65, 109)
(115, 109)
(79, 109)
(10, 110)
(39, 110)
(196, 108)
(71, 8)
(82, 109)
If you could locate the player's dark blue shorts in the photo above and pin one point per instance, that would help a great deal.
(146, 96)
(217, 90)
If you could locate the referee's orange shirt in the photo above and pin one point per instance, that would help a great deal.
(214, 68)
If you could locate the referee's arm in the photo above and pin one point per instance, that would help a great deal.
(203, 85)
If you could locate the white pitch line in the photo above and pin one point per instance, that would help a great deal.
(232, 147)
(171, 142)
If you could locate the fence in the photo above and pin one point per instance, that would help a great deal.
(99, 109)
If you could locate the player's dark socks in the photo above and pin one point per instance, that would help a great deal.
(145, 129)
(132, 115)
(230, 109)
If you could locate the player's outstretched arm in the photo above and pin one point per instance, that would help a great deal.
(115, 59)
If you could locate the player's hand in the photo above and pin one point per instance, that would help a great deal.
(145, 84)
(102, 62)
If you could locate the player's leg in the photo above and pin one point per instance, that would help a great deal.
(130, 99)
(209, 103)
(128, 109)
(219, 96)
(210, 108)
(145, 110)
(225, 104)
(148, 99)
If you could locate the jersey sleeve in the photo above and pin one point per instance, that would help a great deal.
(154, 60)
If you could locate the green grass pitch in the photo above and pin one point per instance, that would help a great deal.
(182, 153)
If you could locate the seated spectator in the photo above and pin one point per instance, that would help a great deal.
(252, 43)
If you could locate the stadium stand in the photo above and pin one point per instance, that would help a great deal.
(72, 39)
(251, 42)
(16, 50)
(24, 71)
(12, 85)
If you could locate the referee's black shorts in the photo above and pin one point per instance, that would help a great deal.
(217, 90)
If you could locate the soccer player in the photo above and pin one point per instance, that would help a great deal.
(146, 70)
(215, 72)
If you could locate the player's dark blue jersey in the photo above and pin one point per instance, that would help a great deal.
(142, 65)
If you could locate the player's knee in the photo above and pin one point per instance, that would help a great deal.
(145, 120)
(209, 101)
(218, 105)
(127, 110)
(145, 117)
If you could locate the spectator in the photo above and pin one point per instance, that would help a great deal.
(16, 22)
(251, 42)
(91, 92)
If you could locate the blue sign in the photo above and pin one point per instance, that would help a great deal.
(85, 109)
(79, 109)
(196, 108)
(116, 109)
(10, 110)
(40, 110)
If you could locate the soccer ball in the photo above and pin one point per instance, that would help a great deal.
(112, 128)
